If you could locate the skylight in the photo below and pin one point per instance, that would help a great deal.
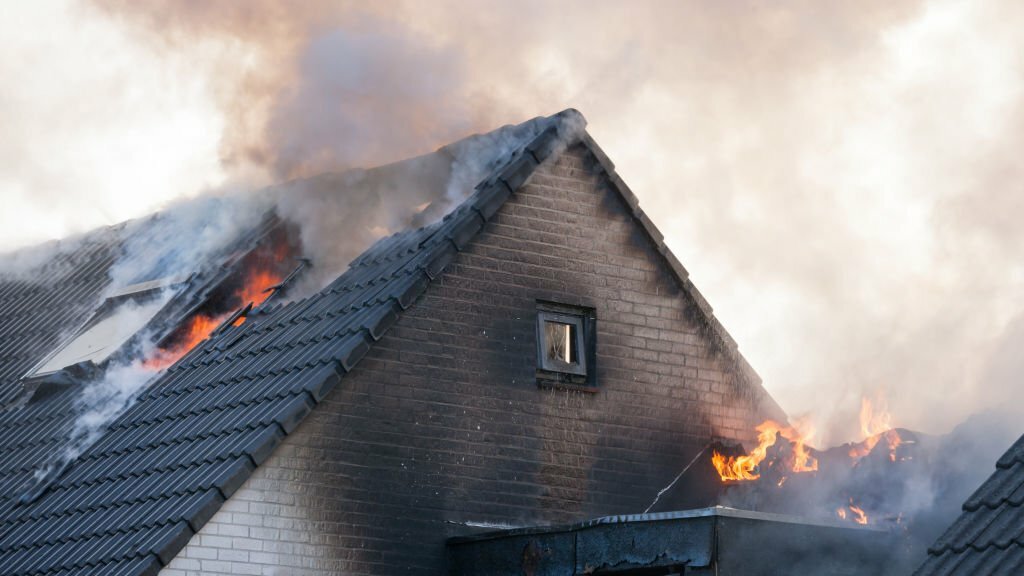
(104, 335)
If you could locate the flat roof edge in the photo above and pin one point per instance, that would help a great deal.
(714, 511)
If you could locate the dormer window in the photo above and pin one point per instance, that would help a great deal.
(565, 345)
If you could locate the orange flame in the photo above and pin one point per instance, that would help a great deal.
(875, 425)
(745, 467)
(195, 330)
(858, 514)
(255, 289)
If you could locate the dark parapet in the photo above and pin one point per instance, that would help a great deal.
(718, 540)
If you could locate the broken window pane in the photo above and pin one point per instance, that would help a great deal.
(561, 342)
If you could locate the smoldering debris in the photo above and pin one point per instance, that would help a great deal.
(909, 483)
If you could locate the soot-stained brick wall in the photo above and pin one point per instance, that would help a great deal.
(442, 428)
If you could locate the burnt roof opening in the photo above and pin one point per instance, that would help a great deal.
(158, 321)
(247, 281)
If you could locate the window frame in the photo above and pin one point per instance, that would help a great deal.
(544, 361)
(581, 375)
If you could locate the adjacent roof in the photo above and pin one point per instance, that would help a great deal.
(988, 538)
(133, 499)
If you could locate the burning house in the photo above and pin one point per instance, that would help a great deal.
(520, 379)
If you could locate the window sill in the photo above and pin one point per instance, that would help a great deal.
(549, 385)
(564, 381)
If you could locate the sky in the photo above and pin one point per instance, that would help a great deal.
(840, 179)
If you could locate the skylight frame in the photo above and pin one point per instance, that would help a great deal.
(142, 293)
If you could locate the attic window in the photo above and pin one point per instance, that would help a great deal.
(565, 345)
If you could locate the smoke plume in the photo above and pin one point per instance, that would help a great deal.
(341, 214)
(840, 180)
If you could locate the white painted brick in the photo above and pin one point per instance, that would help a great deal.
(233, 555)
(213, 541)
(266, 509)
(235, 505)
(197, 550)
(272, 534)
(216, 566)
(265, 558)
(283, 548)
(294, 536)
(245, 519)
(250, 544)
(234, 530)
(246, 568)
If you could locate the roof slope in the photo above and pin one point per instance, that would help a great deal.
(131, 501)
(988, 538)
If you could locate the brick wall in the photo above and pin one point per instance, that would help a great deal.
(442, 427)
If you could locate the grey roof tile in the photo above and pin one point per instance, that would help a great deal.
(988, 537)
(1014, 455)
(1004, 485)
(518, 170)
(490, 198)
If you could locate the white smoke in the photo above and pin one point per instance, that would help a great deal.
(842, 196)
(186, 236)
(341, 215)
(102, 401)
(44, 262)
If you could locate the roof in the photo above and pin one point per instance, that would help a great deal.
(33, 315)
(988, 537)
(723, 540)
(162, 468)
